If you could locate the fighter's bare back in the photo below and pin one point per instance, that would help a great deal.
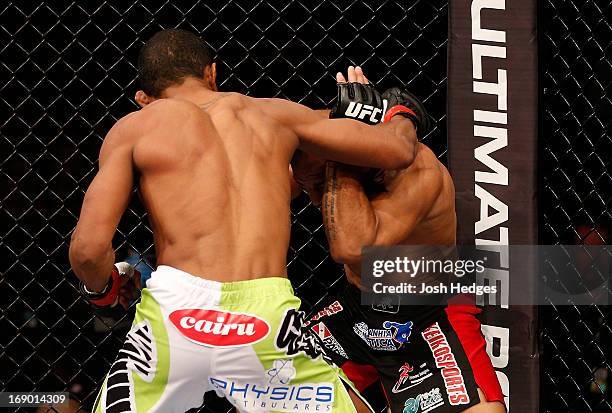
(214, 180)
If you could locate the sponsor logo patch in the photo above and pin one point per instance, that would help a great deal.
(282, 372)
(401, 331)
(329, 341)
(219, 328)
(386, 308)
(408, 378)
(361, 110)
(305, 397)
(388, 305)
(294, 336)
(392, 337)
(447, 363)
(333, 308)
(425, 401)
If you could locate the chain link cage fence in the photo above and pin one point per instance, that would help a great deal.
(68, 74)
(576, 195)
(69, 70)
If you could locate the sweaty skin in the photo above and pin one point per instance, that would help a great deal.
(212, 172)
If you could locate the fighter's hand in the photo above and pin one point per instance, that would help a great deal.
(401, 102)
(358, 99)
(122, 288)
(354, 75)
(130, 286)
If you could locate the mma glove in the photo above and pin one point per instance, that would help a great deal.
(364, 103)
(106, 302)
(359, 101)
(401, 102)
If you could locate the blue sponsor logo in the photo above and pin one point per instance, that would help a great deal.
(291, 398)
(412, 405)
(401, 331)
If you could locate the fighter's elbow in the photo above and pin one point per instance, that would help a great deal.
(405, 156)
(409, 143)
(348, 253)
(403, 150)
(85, 252)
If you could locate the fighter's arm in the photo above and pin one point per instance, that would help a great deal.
(91, 252)
(389, 145)
(353, 221)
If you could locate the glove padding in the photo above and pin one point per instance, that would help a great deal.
(106, 302)
(359, 101)
(397, 97)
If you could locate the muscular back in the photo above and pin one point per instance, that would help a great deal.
(214, 180)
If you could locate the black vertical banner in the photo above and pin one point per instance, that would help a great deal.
(492, 139)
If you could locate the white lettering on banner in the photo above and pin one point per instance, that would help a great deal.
(495, 172)
(500, 360)
(478, 33)
(483, 152)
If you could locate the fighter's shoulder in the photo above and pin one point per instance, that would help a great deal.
(426, 159)
(122, 130)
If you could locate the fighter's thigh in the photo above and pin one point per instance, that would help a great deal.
(486, 407)
(156, 369)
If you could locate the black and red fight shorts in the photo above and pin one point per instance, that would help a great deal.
(428, 358)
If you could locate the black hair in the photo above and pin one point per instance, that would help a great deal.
(169, 57)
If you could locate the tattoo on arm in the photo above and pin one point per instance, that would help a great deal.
(330, 202)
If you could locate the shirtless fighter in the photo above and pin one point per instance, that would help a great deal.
(218, 313)
(428, 358)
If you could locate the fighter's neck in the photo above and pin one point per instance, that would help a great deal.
(191, 89)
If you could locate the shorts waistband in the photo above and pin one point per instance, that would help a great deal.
(235, 290)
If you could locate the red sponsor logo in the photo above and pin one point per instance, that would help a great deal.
(446, 362)
(321, 330)
(331, 309)
(219, 328)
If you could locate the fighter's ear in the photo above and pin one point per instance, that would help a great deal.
(210, 76)
(142, 99)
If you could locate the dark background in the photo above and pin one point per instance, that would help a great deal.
(576, 191)
(68, 74)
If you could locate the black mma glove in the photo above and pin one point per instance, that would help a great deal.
(401, 102)
(358, 101)
(364, 103)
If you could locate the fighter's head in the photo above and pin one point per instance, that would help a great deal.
(170, 57)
